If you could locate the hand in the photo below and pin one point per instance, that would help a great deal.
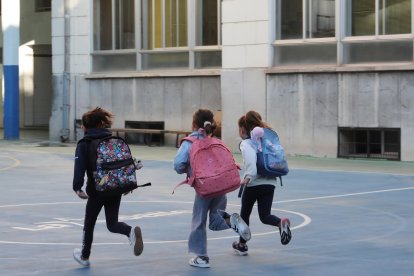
(245, 181)
(138, 164)
(82, 194)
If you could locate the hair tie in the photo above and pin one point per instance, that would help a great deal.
(206, 123)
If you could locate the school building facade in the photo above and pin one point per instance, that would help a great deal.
(333, 77)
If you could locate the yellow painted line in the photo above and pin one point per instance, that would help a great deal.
(16, 163)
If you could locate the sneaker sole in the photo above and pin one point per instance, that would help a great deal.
(285, 233)
(80, 261)
(242, 227)
(198, 265)
(139, 244)
(237, 252)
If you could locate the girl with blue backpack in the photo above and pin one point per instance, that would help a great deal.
(257, 188)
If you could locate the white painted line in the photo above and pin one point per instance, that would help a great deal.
(349, 171)
(345, 195)
(306, 221)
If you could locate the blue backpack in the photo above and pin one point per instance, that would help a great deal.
(271, 162)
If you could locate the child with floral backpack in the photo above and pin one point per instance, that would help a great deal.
(213, 207)
(95, 123)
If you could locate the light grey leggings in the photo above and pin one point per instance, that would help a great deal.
(214, 207)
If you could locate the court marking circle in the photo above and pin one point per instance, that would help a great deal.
(306, 221)
(16, 163)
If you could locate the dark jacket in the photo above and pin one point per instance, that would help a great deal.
(82, 161)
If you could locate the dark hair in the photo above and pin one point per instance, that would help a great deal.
(251, 120)
(97, 118)
(204, 115)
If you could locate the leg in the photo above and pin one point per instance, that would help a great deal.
(111, 206)
(93, 207)
(264, 205)
(248, 200)
(197, 241)
(216, 220)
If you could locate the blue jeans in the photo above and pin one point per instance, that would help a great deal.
(214, 208)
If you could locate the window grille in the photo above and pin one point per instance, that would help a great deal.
(376, 143)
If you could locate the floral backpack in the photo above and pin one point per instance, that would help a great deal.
(113, 167)
(214, 171)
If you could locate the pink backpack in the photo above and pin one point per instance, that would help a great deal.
(214, 169)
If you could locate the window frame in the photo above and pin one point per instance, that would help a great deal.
(341, 38)
(139, 51)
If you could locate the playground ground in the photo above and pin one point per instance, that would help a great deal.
(349, 217)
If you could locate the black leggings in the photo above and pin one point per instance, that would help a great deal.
(263, 194)
(93, 208)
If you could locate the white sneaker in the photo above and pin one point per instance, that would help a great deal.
(135, 240)
(199, 261)
(77, 255)
(241, 228)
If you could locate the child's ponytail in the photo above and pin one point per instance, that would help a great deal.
(204, 118)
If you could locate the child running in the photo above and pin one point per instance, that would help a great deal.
(256, 188)
(203, 207)
(95, 123)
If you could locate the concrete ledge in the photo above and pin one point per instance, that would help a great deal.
(341, 69)
(155, 74)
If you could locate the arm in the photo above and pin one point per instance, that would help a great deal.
(249, 161)
(182, 158)
(80, 169)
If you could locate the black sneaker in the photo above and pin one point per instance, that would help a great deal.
(135, 240)
(285, 233)
(239, 248)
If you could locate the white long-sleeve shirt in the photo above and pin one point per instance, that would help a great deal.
(249, 155)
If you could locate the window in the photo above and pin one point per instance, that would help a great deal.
(167, 34)
(208, 34)
(369, 26)
(318, 16)
(383, 17)
(114, 26)
(369, 143)
(298, 24)
(369, 31)
(164, 24)
(42, 5)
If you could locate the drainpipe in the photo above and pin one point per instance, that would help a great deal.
(66, 79)
(11, 42)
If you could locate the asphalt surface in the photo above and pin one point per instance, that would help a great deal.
(349, 217)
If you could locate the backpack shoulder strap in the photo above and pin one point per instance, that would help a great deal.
(190, 139)
(187, 180)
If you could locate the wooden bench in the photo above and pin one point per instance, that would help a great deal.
(149, 132)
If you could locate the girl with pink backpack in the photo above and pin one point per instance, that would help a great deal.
(211, 205)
